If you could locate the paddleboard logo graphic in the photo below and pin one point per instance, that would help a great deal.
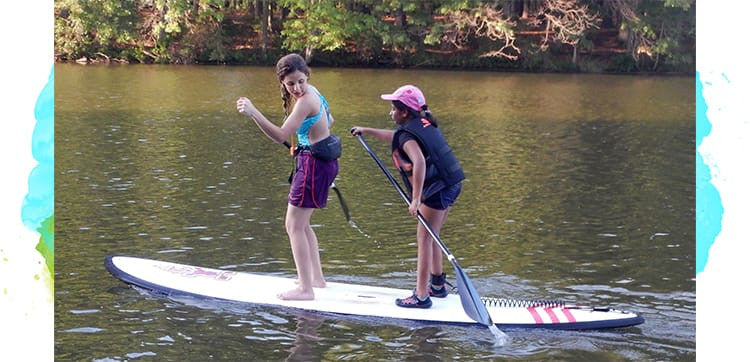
(198, 272)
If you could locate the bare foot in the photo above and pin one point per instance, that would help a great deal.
(315, 283)
(296, 294)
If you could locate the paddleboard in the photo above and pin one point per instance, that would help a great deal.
(173, 279)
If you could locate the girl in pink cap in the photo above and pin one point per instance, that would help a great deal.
(311, 120)
(432, 176)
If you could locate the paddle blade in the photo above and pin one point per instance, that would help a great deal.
(470, 300)
(342, 202)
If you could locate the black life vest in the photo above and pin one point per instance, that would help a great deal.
(442, 167)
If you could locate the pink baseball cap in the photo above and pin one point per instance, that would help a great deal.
(409, 95)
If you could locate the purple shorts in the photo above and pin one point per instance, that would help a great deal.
(311, 181)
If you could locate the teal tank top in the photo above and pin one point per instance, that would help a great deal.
(304, 129)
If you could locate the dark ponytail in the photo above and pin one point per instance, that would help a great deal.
(428, 115)
(414, 113)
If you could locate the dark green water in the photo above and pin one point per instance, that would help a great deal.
(579, 187)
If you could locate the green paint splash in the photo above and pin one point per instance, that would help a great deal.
(46, 245)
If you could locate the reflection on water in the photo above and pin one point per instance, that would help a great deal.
(306, 338)
(579, 187)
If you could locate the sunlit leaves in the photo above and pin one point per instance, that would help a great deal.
(653, 32)
(682, 4)
(314, 25)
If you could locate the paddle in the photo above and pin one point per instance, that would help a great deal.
(333, 186)
(470, 300)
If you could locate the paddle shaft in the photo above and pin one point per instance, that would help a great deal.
(406, 198)
(481, 314)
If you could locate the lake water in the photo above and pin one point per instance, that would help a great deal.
(579, 187)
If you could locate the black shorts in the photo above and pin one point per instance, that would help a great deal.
(444, 198)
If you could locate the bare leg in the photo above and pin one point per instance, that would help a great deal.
(428, 253)
(436, 267)
(424, 255)
(297, 221)
(318, 280)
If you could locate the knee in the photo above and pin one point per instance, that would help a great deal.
(294, 226)
(424, 241)
(289, 225)
(297, 220)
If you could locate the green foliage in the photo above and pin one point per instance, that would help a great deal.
(433, 33)
(315, 25)
(168, 20)
(685, 5)
(205, 39)
(85, 28)
(158, 30)
(665, 32)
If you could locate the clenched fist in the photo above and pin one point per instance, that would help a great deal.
(245, 106)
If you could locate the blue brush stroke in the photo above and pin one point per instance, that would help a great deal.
(38, 204)
(707, 199)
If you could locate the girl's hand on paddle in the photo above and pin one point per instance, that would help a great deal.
(244, 106)
(414, 207)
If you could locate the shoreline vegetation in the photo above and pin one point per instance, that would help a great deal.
(575, 36)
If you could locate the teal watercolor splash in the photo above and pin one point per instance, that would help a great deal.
(37, 211)
(708, 206)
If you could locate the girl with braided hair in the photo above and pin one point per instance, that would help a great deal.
(308, 116)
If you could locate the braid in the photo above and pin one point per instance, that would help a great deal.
(286, 100)
(290, 63)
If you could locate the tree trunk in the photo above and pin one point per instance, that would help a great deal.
(257, 9)
(264, 14)
(508, 8)
(283, 14)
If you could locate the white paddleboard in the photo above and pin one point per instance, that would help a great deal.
(352, 299)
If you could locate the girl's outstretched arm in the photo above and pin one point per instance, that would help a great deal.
(385, 135)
